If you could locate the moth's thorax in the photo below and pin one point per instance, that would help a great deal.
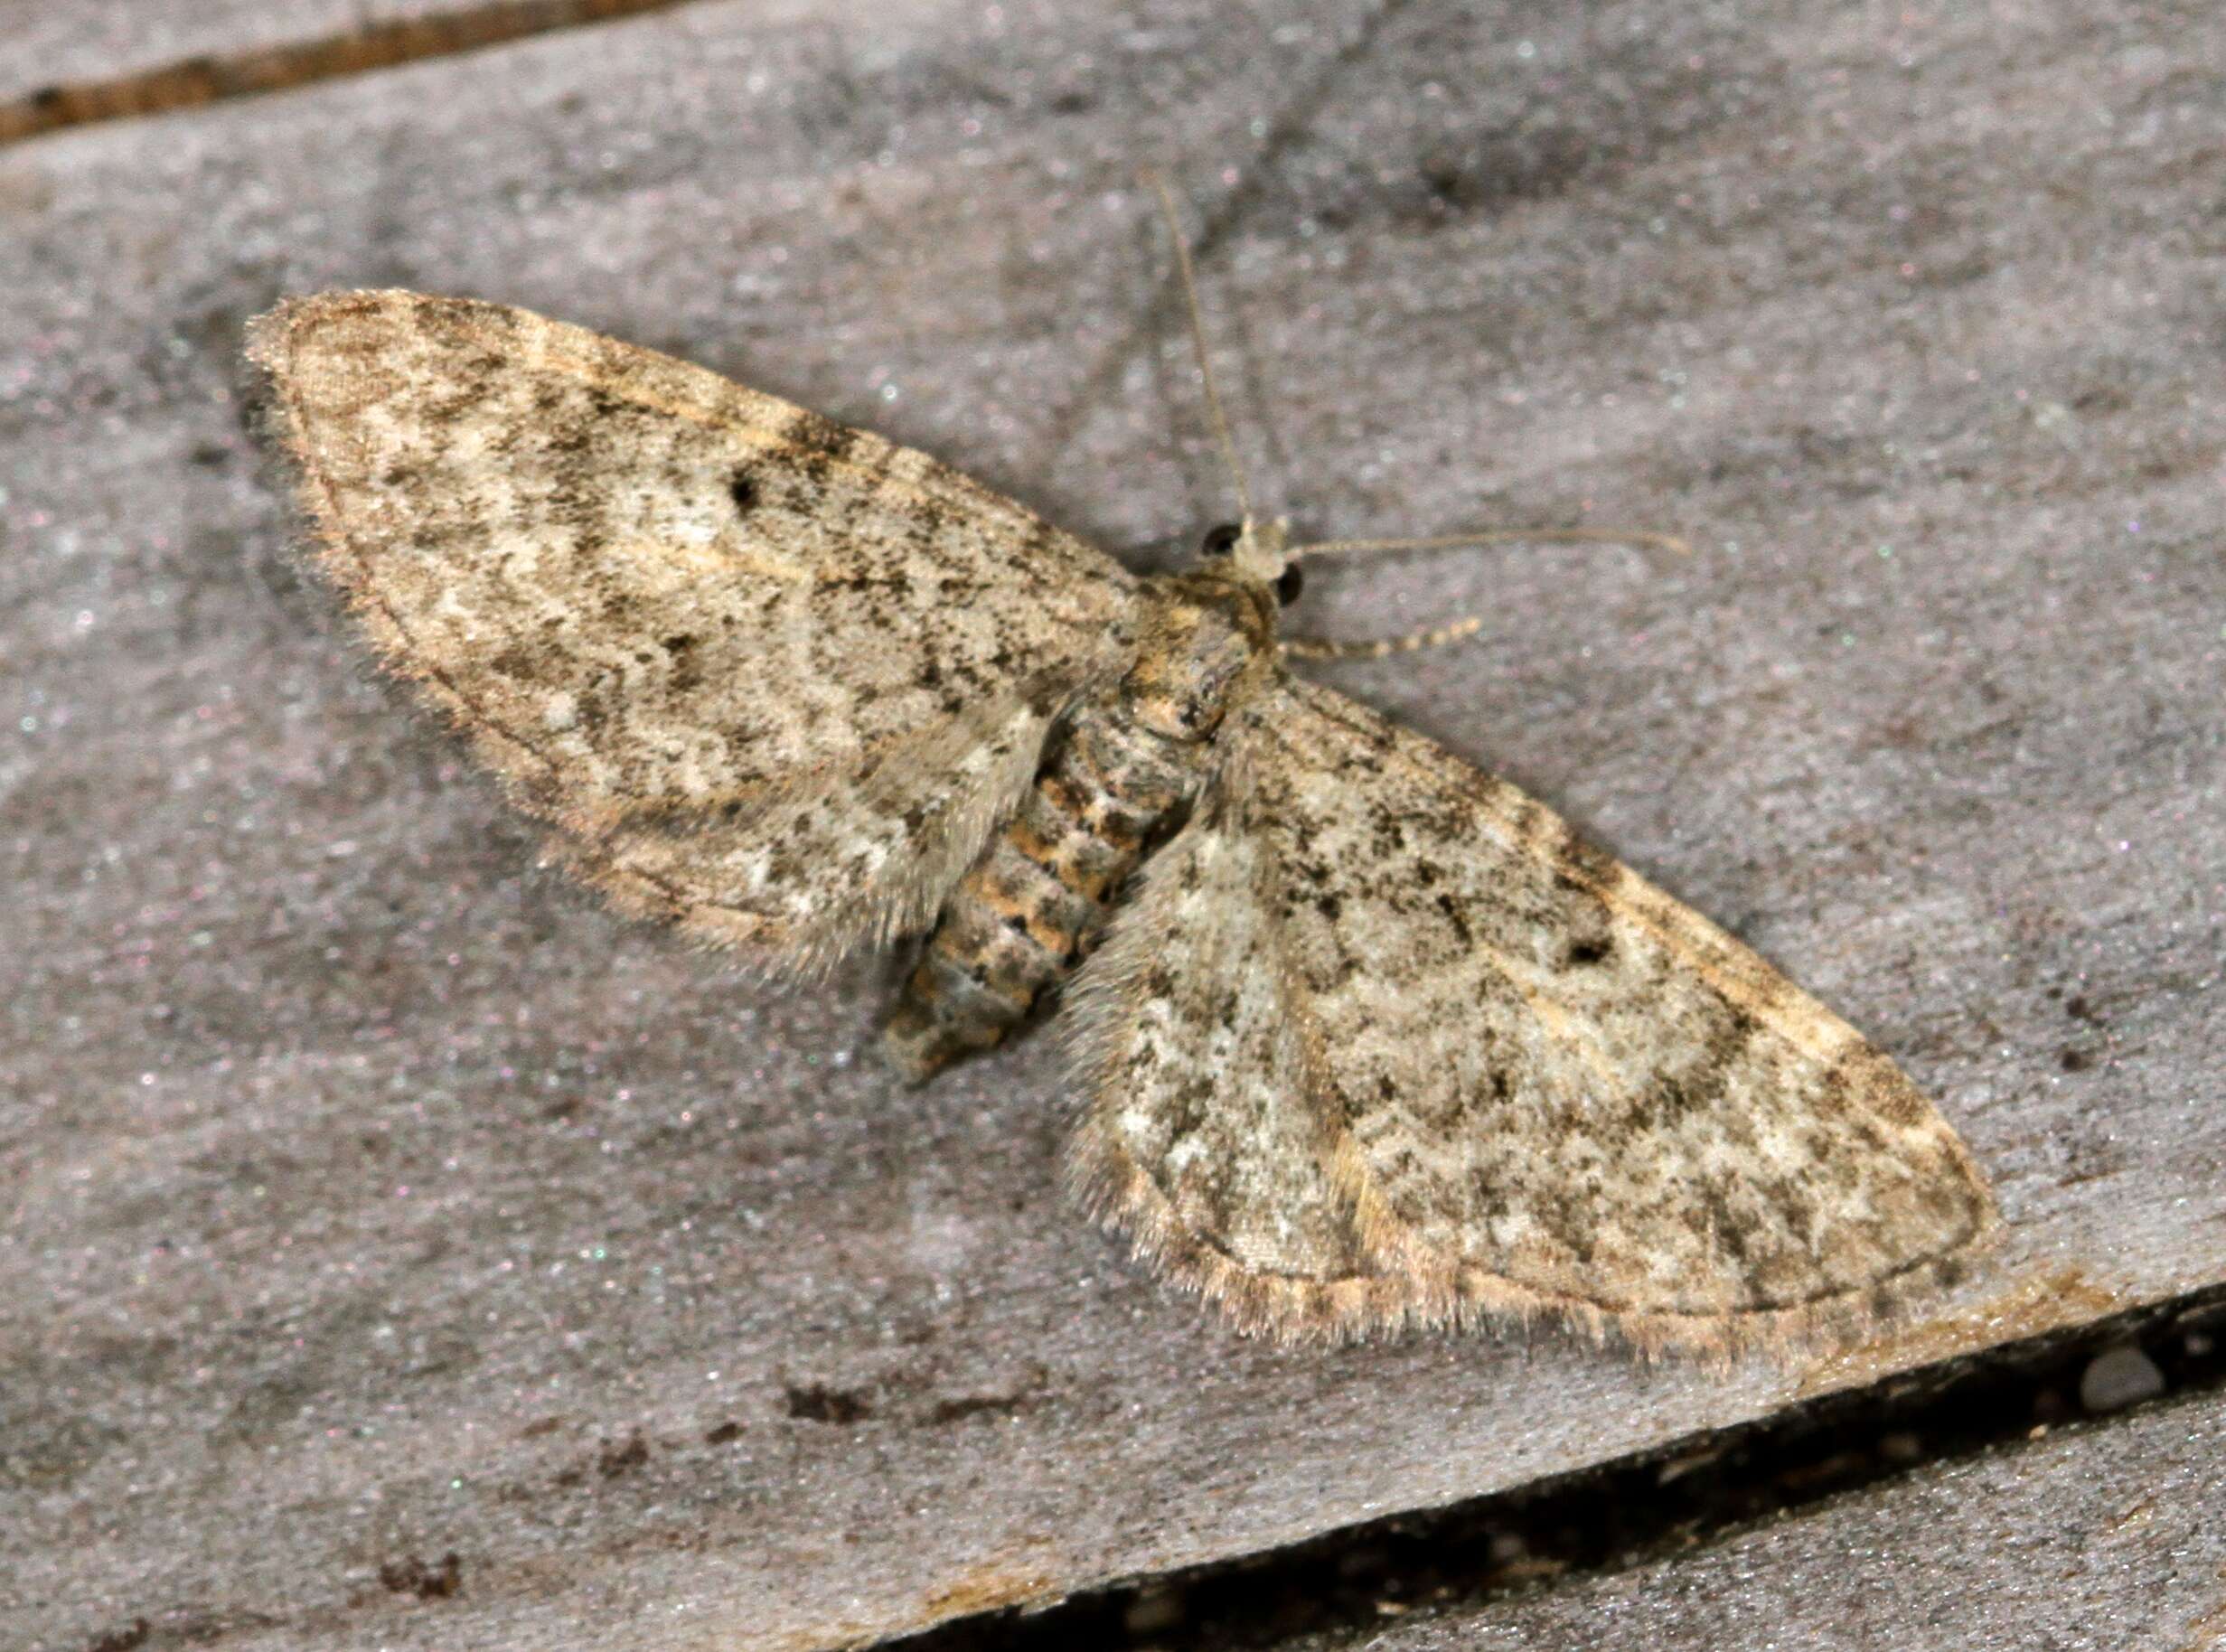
(1206, 637)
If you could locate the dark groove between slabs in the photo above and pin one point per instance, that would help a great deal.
(215, 77)
(1607, 1518)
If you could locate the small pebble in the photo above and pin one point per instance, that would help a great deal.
(2119, 1377)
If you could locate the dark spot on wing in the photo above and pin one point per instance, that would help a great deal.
(1568, 1222)
(1582, 862)
(1728, 1230)
(686, 671)
(1727, 1044)
(816, 445)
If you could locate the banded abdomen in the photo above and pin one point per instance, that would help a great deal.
(1019, 922)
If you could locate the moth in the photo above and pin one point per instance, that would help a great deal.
(1370, 1039)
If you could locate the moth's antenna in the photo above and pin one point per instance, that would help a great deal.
(1198, 341)
(1508, 536)
(1319, 648)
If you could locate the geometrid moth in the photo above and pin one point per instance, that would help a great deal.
(1370, 1039)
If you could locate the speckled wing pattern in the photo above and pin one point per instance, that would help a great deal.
(774, 678)
(1374, 1040)
(1380, 1042)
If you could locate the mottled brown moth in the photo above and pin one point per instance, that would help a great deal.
(1371, 1038)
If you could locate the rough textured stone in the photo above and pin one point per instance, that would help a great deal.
(371, 1198)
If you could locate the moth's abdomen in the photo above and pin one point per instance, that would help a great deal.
(1032, 906)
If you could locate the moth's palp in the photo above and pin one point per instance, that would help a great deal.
(1378, 648)
(1322, 648)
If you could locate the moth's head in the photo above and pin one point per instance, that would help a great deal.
(1255, 553)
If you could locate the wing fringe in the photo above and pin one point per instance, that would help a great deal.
(1117, 1194)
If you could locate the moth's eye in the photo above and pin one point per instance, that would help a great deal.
(1288, 585)
(1220, 541)
(743, 490)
